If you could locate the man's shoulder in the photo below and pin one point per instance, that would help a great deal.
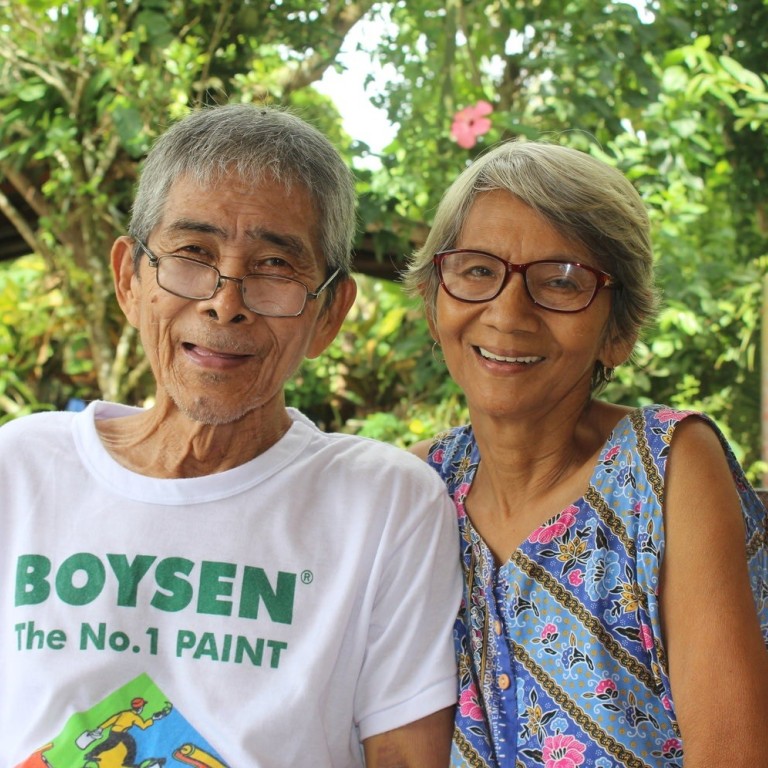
(35, 424)
(370, 466)
(358, 447)
(361, 450)
(46, 429)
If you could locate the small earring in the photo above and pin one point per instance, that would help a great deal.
(437, 355)
(608, 373)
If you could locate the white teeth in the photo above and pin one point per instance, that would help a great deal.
(490, 356)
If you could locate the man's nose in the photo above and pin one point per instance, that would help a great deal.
(227, 304)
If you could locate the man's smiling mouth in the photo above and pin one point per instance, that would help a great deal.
(206, 352)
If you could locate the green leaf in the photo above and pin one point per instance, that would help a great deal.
(32, 91)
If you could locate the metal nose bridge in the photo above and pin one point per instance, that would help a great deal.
(222, 278)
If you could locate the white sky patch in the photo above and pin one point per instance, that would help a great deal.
(644, 13)
(361, 120)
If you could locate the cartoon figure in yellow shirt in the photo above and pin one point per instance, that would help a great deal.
(119, 724)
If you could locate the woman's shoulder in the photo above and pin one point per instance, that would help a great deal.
(451, 440)
(447, 450)
(649, 425)
(637, 446)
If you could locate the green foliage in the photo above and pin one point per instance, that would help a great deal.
(86, 86)
(379, 370)
(30, 377)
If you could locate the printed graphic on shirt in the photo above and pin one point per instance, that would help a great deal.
(171, 585)
(134, 727)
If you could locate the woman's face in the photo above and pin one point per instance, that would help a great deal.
(510, 356)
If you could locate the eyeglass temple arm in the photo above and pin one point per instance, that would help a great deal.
(328, 281)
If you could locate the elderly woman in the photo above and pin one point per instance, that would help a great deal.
(615, 560)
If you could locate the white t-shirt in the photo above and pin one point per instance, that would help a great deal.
(275, 614)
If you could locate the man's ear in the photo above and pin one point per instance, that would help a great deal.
(330, 319)
(125, 278)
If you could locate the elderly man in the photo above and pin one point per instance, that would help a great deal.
(277, 596)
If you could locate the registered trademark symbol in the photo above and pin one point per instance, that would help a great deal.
(306, 577)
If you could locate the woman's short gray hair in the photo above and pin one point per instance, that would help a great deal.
(252, 142)
(585, 199)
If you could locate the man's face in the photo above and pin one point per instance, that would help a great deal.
(216, 360)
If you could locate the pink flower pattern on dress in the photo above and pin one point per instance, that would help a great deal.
(665, 415)
(605, 686)
(576, 578)
(562, 751)
(470, 123)
(458, 500)
(544, 534)
(646, 637)
(551, 568)
(469, 704)
(462, 491)
(548, 630)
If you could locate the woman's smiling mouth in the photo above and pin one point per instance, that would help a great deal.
(521, 360)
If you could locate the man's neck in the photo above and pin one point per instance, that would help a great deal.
(163, 442)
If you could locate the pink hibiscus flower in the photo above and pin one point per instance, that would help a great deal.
(469, 704)
(562, 751)
(545, 533)
(471, 122)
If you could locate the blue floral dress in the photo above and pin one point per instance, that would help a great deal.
(561, 662)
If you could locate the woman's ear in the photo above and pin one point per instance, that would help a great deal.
(126, 280)
(430, 313)
(616, 350)
(330, 319)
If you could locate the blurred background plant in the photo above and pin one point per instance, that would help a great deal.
(672, 92)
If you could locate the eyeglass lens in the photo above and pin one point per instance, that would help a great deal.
(472, 276)
(268, 295)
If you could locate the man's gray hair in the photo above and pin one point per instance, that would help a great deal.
(252, 142)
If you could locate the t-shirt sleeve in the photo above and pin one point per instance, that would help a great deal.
(409, 670)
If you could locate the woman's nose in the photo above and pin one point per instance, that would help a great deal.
(513, 305)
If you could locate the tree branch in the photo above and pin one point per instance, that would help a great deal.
(16, 218)
(342, 17)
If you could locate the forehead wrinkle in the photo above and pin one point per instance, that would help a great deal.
(193, 225)
(288, 242)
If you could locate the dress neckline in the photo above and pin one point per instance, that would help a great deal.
(472, 535)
